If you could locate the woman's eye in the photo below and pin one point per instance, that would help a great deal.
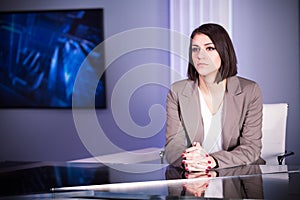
(210, 48)
(195, 49)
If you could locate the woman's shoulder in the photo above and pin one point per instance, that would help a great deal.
(248, 84)
(245, 81)
(239, 84)
(181, 84)
(242, 82)
(240, 78)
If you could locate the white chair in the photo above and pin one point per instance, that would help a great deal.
(274, 133)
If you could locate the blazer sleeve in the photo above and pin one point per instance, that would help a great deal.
(249, 145)
(175, 133)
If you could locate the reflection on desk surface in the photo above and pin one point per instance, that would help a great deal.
(96, 180)
(244, 182)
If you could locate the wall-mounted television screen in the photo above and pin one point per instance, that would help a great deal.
(41, 53)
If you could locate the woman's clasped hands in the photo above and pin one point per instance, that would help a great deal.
(195, 159)
(197, 188)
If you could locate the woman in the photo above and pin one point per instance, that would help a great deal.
(214, 117)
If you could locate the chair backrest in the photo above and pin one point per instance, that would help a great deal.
(273, 131)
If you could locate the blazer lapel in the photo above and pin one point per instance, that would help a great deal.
(191, 112)
(232, 109)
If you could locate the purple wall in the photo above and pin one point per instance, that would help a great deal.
(44, 134)
(266, 38)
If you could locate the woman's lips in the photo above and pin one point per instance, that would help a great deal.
(202, 64)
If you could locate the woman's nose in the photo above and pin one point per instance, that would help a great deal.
(201, 53)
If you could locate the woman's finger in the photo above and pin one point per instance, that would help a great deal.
(195, 151)
(193, 165)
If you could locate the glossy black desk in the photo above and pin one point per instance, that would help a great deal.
(55, 180)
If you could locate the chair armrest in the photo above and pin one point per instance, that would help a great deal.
(280, 158)
(162, 155)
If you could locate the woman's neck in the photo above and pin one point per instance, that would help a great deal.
(209, 85)
(213, 92)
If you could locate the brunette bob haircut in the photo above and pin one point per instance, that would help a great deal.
(223, 45)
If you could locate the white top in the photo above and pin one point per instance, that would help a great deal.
(212, 142)
(212, 127)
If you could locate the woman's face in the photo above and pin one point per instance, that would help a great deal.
(206, 58)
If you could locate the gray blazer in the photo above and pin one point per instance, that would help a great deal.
(241, 122)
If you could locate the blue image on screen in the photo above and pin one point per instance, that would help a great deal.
(41, 53)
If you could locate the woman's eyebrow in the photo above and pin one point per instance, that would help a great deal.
(208, 44)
